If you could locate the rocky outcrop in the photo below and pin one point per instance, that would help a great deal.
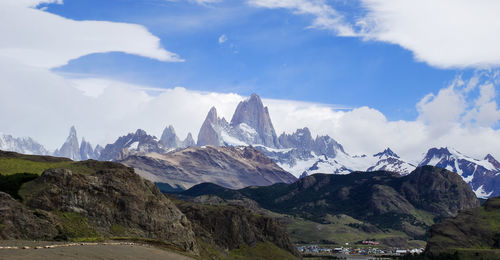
(232, 167)
(210, 131)
(228, 226)
(169, 139)
(189, 141)
(472, 233)
(111, 195)
(439, 191)
(87, 152)
(253, 123)
(70, 148)
(133, 143)
(19, 222)
(302, 140)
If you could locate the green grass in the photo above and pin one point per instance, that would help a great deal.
(10, 166)
(118, 230)
(339, 230)
(493, 218)
(264, 250)
(76, 227)
(209, 252)
(470, 253)
(36, 165)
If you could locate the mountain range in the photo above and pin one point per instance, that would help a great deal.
(298, 153)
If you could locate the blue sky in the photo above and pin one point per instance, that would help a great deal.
(271, 52)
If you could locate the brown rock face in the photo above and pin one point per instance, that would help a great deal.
(228, 226)
(113, 195)
(231, 167)
(19, 222)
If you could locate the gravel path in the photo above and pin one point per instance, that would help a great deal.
(15, 249)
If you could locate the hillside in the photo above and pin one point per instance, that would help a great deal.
(472, 234)
(225, 228)
(231, 167)
(94, 201)
(103, 199)
(410, 204)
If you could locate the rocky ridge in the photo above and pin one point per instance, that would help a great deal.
(232, 167)
(383, 199)
(170, 140)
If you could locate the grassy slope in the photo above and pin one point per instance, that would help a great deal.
(9, 166)
(16, 169)
(481, 219)
(262, 250)
(266, 250)
(340, 230)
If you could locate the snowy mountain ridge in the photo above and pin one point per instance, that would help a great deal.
(298, 153)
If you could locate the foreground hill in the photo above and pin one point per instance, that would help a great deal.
(231, 167)
(472, 234)
(94, 200)
(50, 198)
(227, 227)
(410, 204)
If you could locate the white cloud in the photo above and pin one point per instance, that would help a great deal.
(222, 39)
(444, 34)
(205, 2)
(325, 17)
(442, 111)
(33, 37)
(103, 109)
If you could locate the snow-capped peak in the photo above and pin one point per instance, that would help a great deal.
(386, 154)
(493, 161)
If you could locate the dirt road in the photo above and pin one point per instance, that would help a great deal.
(49, 250)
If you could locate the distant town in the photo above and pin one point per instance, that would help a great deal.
(367, 248)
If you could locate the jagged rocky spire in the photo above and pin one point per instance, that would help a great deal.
(251, 115)
(169, 139)
(70, 148)
(210, 132)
